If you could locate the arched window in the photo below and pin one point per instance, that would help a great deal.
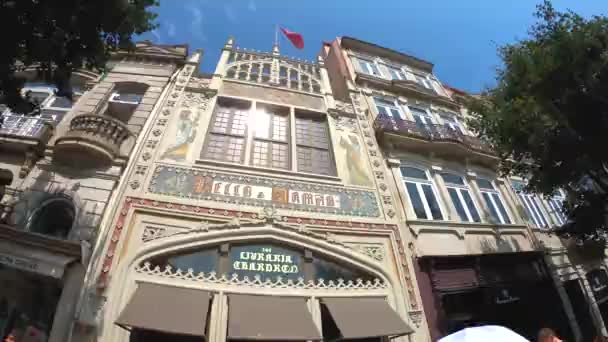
(267, 260)
(54, 216)
(303, 77)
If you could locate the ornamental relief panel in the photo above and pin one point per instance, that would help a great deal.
(262, 192)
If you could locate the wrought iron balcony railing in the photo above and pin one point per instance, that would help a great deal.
(430, 132)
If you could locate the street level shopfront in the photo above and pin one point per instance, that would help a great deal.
(39, 282)
(511, 290)
(260, 280)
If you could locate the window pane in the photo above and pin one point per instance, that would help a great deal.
(537, 209)
(452, 178)
(224, 148)
(501, 208)
(38, 96)
(469, 203)
(457, 205)
(382, 111)
(61, 102)
(485, 184)
(261, 124)
(490, 205)
(260, 153)
(313, 160)
(432, 202)
(375, 70)
(239, 122)
(412, 172)
(280, 155)
(280, 127)
(412, 191)
(312, 132)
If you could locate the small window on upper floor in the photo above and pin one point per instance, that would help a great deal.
(52, 106)
(461, 197)
(422, 79)
(388, 108)
(493, 201)
(368, 67)
(532, 203)
(125, 98)
(421, 192)
(267, 132)
(422, 116)
(451, 122)
(395, 73)
(556, 206)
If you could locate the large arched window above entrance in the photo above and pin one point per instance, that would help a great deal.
(54, 216)
(266, 260)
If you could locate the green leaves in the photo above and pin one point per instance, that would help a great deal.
(60, 36)
(548, 115)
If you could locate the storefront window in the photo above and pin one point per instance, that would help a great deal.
(268, 261)
(27, 305)
(198, 261)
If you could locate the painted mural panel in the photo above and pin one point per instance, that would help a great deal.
(262, 191)
(181, 136)
(350, 154)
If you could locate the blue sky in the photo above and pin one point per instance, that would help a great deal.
(458, 36)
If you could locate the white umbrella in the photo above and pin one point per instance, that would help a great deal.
(493, 333)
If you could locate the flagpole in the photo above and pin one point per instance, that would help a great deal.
(276, 35)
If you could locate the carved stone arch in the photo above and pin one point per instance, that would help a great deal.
(290, 235)
(33, 203)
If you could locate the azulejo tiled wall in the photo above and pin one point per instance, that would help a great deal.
(262, 191)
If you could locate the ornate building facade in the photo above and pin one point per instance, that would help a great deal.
(60, 167)
(257, 207)
(477, 259)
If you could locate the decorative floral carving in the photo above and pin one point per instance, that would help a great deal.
(346, 124)
(197, 100)
(151, 143)
(156, 132)
(134, 184)
(153, 233)
(376, 252)
(256, 281)
(416, 317)
(141, 169)
(146, 156)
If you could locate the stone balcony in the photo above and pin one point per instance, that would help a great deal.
(25, 132)
(405, 135)
(91, 141)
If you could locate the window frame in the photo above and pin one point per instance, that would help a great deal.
(459, 188)
(394, 70)
(428, 115)
(555, 203)
(388, 108)
(249, 136)
(495, 208)
(532, 204)
(271, 140)
(369, 67)
(46, 108)
(417, 182)
(452, 122)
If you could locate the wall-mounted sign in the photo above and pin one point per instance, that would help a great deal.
(265, 260)
(262, 191)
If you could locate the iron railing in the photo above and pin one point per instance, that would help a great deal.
(431, 132)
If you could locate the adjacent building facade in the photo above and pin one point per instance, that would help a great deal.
(476, 259)
(59, 170)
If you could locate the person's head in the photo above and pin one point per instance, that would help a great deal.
(547, 335)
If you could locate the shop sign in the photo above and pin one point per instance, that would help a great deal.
(262, 191)
(505, 297)
(266, 261)
(274, 194)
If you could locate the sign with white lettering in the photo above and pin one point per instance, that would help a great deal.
(267, 261)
